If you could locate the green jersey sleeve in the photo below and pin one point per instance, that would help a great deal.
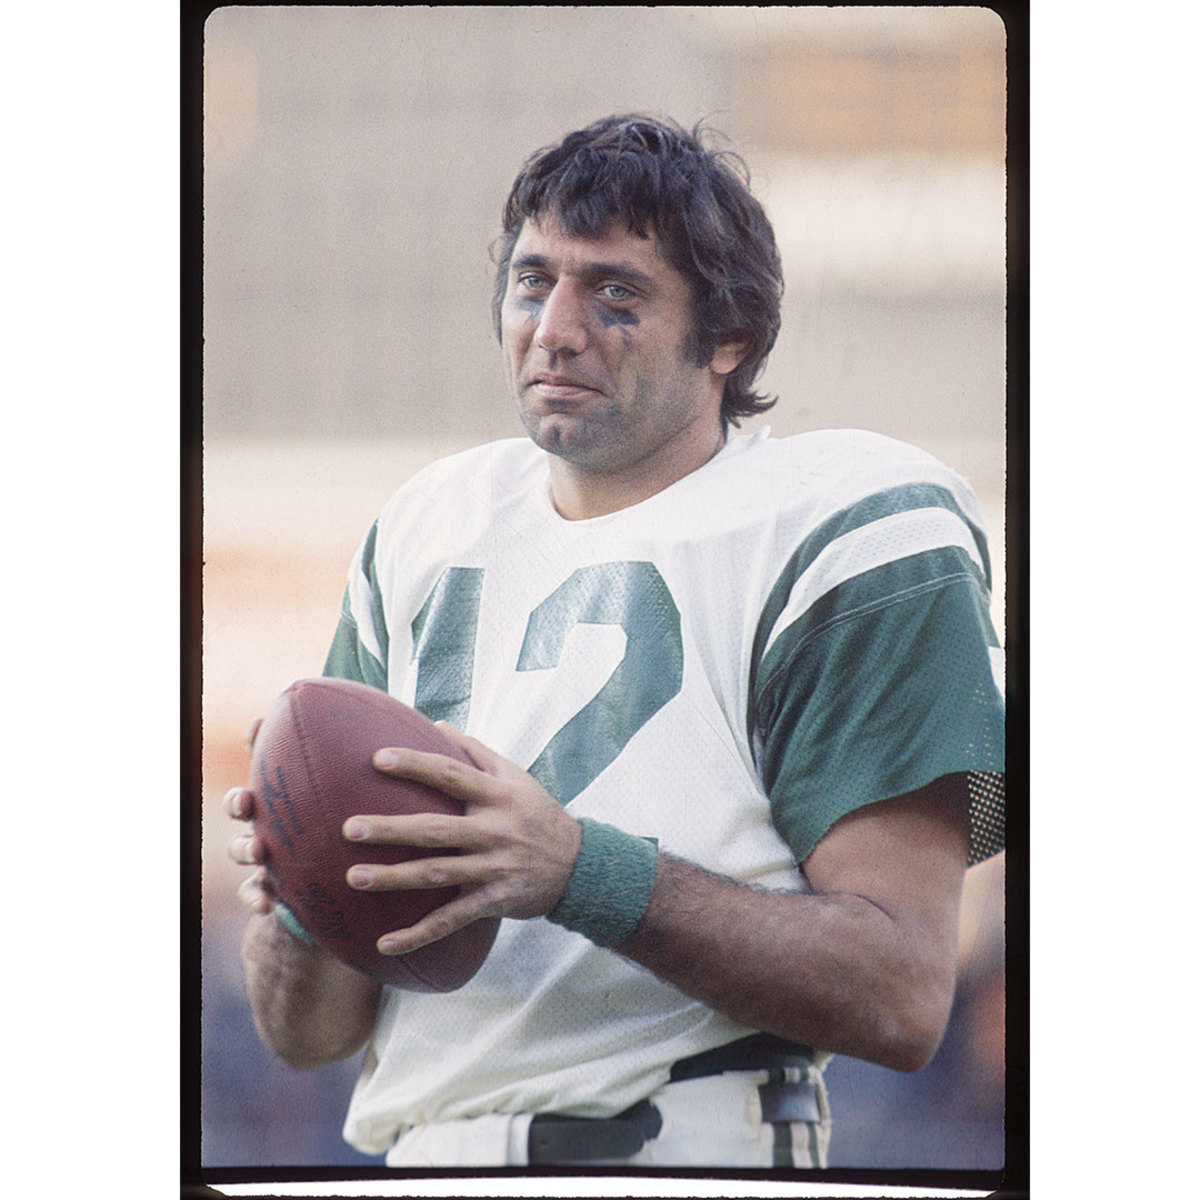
(360, 643)
(880, 683)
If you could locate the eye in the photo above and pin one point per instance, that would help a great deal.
(531, 281)
(616, 292)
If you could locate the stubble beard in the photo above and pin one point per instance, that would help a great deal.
(605, 438)
(590, 441)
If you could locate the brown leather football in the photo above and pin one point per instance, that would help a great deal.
(311, 770)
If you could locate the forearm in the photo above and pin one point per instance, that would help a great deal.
(832, 971)
(309, 1008)
(863, 965)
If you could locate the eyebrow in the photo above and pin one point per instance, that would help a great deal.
(592, 270)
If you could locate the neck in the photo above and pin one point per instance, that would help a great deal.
(579, 494)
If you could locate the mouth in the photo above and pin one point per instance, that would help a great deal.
(559, 389)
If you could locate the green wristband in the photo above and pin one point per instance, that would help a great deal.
(288, 920)
(609, 889)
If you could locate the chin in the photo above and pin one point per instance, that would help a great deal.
(593, 441)
(556, 433)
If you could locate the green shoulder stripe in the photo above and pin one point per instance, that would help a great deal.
(876, 507)
(904, 498)
(871, 590)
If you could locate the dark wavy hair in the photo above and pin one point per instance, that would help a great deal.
(654, 175)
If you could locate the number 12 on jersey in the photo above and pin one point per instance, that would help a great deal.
(631, 595)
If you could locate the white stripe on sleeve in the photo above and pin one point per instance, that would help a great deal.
(873, 545)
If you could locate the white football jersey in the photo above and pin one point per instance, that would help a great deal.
(795, 629)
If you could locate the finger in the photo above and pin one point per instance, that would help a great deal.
(449, 918)
(441, 871)
(482, 756)
(252, 733)
(247, 849)
(255, 893)
(428, 831)
(447, 775)
(239, 804)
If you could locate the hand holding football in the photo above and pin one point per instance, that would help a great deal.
(311, 770)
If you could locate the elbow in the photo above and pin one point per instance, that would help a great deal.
(909, 1027)
(303, 1058)
(302, 1053)
(910, 1049)
(899, 1032)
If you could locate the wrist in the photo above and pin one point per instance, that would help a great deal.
(609, 889)
(289, 921)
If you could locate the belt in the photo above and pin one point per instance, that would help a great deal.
(758, 1052)
(554, 1138)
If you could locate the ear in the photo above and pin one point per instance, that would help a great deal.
(728, 355)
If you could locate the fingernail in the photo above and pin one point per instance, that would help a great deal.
(387, 759)
(356, 829)
(359, 877)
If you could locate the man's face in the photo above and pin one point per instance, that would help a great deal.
(593, 332)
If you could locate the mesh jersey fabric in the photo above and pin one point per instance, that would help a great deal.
(796, 629)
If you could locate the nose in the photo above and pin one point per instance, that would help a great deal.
(562, 328)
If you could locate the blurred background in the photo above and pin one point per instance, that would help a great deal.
(356, 160)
